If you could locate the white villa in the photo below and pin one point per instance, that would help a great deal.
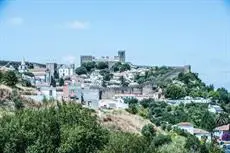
(66, 71)
(199, 133)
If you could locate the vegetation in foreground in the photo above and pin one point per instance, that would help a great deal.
(69, 128)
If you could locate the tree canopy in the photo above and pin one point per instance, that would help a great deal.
(81, 70)
(175, 92)
(66, 129)
(10, 78)
(102, 65)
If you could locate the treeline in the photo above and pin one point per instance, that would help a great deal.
(15, 64)
(69, 128)
(8, 78)
(167, 116)
(90, 66)
(163, 114)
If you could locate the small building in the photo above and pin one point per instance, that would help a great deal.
(52, 67)
(187, 126)
(23, 67)
(202, 134)
(48, 92)
(222, 132)
(65, 71)
(113, 104)
(41, 76)
(70, 91)
(199, 133)
(215, 109)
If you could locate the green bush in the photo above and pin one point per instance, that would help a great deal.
(66, 129)
(81, 70)
(161, 140)
(10, 78)
(149, 131)
(121, 142)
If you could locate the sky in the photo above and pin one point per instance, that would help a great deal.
(153, 32)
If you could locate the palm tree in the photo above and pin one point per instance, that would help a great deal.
(222, 119)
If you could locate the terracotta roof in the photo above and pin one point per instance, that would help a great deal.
(39, 73)
(223, 128)
(185, 124)
(200, 131)
(38, 70)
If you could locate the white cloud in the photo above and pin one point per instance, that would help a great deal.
(16, 21)
(78, 25)
(69, 59)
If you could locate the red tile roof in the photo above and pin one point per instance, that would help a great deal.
(200, 131)
(223, 128)
(185, 124)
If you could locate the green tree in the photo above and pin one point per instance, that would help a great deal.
(1, 76)
(192, 143)
(108, 76)
(116, 66)
(53, 82)
(175, 92)
(65, 129)
(224, 96)
(56, 76)
(89, 66)
(121, 142)
(208, 122)
(160, 140)
(125, 67)
(222, 119)
(61, 82)
(81, 70)
(214, 95)
(123, 81)
(132, 109)
(102, 65)
(17, 100)
(10, 78)
(26, 83)
(29, 74)
(146, 102)
(149, 131)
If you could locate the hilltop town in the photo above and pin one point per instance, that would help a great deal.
(96, 79)
(125, 96)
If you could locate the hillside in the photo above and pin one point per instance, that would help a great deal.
(15, 64)
(121, 120)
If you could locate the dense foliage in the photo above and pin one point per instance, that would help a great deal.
(61, 82)
(102, 65)
(81, 70)
(121, 67)
(9, 78)
(65, 129)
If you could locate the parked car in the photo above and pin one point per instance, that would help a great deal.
(226, 148)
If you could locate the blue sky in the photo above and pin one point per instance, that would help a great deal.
(160, 32)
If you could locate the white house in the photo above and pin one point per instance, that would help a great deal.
(187, 126)
(199, 133)
(223, 132)
(48, 92)
(41, 76)
(215, 109)
(66, 71)
(113, 104)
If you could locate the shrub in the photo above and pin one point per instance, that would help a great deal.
(149, 131)
(161, 140)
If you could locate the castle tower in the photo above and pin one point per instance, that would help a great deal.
(121, 55)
